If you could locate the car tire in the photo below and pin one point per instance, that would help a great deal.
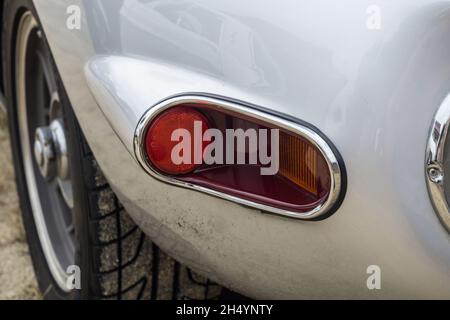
(115, 258)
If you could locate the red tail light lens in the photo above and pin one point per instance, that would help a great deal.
(242, 155)
(164, 134)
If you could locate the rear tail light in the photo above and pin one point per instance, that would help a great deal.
(159, 144)
(241, 154)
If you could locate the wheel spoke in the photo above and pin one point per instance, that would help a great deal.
(47, 73)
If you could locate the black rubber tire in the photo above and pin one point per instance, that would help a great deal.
(116, 259)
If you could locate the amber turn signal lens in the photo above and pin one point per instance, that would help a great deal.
(299, 162)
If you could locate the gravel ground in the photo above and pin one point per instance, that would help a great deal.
(17, 280)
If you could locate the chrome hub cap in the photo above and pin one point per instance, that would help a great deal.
(50, 152)
(44, 152)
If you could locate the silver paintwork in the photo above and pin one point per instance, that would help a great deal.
(436, 166)
(374, 93)
(27, 25)
(295, 128)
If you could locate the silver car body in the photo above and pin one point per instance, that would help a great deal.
(372, 91)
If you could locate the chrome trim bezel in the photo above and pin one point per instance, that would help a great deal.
(434, 162)
(336, 171)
